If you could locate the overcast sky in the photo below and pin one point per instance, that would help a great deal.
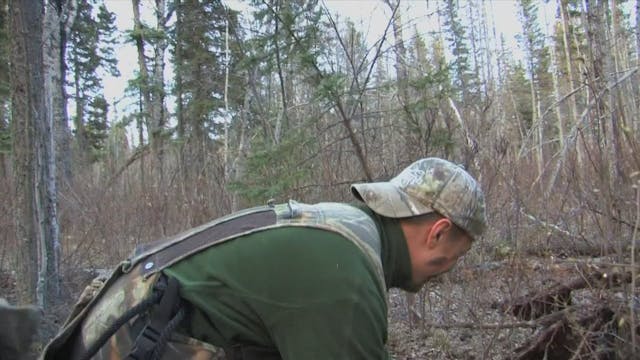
(370, 16)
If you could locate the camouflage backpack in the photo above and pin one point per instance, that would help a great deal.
(131, 314)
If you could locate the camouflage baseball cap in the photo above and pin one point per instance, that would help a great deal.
(429, 185)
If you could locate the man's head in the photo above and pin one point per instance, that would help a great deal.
(441, 211)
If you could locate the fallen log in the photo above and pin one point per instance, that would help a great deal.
(558, 297)
(568, 331)
(589, 335)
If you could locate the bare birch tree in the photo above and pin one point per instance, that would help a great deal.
(568, 67)
(58, 17)
(158, 106)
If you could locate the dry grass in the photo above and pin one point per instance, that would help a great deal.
(531, 233)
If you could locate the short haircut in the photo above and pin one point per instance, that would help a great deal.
(432, 217)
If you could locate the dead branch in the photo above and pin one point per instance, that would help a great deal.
(573, 134)
(569, 331)
(546, 224)
(494, 326)
(139, 153)
(562, 339)
(558, 297)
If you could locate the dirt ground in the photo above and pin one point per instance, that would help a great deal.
(458, 316)
(452, 315)
(463, 315)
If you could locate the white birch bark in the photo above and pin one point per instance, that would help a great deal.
(157, 110)
(46, 185)
(226, 101)
(145, 108)
(557, 96)
(566, 45)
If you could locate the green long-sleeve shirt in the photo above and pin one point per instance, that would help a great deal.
(308, 292)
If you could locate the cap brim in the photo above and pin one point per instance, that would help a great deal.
(388, 200)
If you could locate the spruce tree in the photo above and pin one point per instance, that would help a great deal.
(199, 73)
(97, 126)
(455, 34)
(90, 54)
(532, 41)
(289, 62)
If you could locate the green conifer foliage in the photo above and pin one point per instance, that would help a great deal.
(283, 62)
(198, 58)
(533, 43)
(457, 39)
(90, 55)
(97, 127)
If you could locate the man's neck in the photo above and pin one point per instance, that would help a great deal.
(395, 254)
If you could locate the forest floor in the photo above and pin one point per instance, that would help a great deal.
(461, 317)
(454, 307)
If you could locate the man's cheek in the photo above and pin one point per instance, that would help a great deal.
(437, 262)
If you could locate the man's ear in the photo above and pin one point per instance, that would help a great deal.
(437, 232)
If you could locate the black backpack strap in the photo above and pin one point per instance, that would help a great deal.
(171, 251)
(163, 319)
(150, 342)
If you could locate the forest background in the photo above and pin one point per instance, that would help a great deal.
(286, 100)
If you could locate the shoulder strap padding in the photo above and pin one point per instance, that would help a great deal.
(207, 237)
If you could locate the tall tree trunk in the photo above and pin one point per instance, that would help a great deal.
(571, 81)
(282, 117)
(158, 113)
(5, 100)
(557, 96)
(140, 125)
(597, 59)
(82, 143)
(402, 79)
(402, 74)
(400, 51)
(4, 128)
(55, 104)
(488, 52)
(599, 71)
(145, 105)
(27, 107)
(178, 90)
(534, 52)
(628, 104)
(474, 42)
(238, 165)
(67, 11)
(615, 105)
(457, 42)
(638, 32)
(536, 121)
(227, 117)
(593, 13)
